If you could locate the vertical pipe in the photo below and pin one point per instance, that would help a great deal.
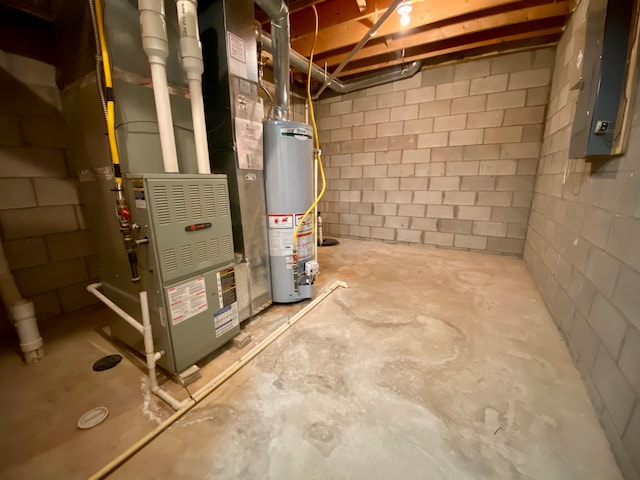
(199, 126)
(279, 15)
(191, 56)
(154, 42)
(148, 340)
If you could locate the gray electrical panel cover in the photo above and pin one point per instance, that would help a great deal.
(602, 83)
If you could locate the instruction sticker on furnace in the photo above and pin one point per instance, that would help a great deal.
(226, 319)
(187, 300)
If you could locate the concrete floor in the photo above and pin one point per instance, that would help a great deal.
(434, 364)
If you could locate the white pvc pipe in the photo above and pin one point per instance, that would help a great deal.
(154, 43)
(24, 318)
(199, 126)
(93, 289)
(192, 63)
(148, 340)
(165, 118)
(22, 313)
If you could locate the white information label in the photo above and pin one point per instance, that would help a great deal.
(226, 319)
(281, 228)
(187, 300)
(280, 242)
(237, 55)
(249, 144)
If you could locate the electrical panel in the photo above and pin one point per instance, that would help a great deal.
(604, 68)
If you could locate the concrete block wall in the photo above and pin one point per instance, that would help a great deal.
(41, 221)
(446, 158)
(582, 251)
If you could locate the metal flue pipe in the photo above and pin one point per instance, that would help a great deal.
(339, 86)
(279, 15)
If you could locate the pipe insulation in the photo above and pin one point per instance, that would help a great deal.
(22, 313)
(279, 15)
(342, 87)
(191, 58)
(155, 45)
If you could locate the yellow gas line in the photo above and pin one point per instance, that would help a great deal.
(315, 139)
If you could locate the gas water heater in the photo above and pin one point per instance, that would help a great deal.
(288, 175)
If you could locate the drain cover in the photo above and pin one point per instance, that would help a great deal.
(93, 417)
(329, 242)
(105, 363)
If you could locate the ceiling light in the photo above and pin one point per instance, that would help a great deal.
(404, 9)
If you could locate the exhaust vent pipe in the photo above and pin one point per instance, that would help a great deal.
(279, 15)
(361, 82)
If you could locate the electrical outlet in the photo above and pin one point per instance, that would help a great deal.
(602, 127)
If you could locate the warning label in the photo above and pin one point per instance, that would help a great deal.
(281, 228)
(187, 300)
(281, 221)
(226, 319)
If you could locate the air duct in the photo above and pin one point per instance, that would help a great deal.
(338, 86)
(279, 15)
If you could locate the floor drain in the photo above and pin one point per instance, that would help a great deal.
(93, 417)
(105, 363)
(329, 242)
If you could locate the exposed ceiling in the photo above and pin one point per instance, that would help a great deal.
(438, 31)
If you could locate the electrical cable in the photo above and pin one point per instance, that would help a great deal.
(312, 116)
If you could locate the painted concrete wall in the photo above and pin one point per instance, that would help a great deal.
(445, 158)
(583, 252)
(46, 244)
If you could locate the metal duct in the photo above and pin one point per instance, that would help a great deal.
(338, 86)
(279, 15)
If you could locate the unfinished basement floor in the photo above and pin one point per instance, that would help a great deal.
(433, 364)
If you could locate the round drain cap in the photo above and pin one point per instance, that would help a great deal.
(93, 417)
(105, 363)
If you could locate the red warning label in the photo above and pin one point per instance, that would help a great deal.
(281, 221)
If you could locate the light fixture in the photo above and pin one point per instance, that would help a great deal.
(404, 9)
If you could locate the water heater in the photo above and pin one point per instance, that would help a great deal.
(288, 174)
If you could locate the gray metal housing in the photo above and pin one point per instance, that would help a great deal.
(230, 88)
(165, 207)
(188, 341)
(288, 149)
(604, 72)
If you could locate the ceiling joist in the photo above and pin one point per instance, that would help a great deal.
(438, 30)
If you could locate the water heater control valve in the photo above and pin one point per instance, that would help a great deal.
(311, 268)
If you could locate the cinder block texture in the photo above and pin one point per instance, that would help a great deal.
(581, 246)
(40, 216)
(450, 154)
